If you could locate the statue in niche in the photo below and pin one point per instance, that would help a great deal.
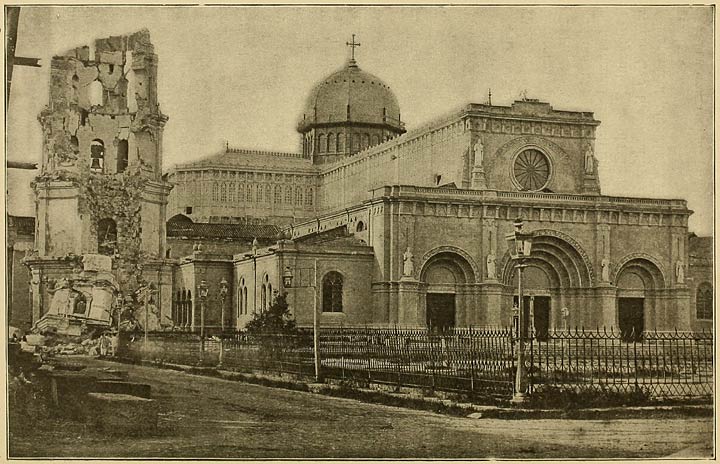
(408, 264)
(680, 271)
(490, 262)
(589, 160)
(478, 149)
(605, 264)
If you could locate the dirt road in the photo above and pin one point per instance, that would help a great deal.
(209, 417)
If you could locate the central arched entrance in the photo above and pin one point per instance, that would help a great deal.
(444, 276)
(558, 275)
(537, 299)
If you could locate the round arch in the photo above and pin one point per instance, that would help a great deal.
(645, 266)
(450, 254)
(560, 256)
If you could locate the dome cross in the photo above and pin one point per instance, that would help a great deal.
(352, 46)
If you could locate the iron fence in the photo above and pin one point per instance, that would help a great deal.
(481, 361)
(658, 364)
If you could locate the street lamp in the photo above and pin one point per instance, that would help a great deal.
(519, 246)
(223, 294)
(287, 283)
(203, 290)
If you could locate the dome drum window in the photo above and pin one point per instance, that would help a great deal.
(531, 170)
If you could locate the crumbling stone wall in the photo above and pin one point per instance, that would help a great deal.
(100, 188)
(106, 94)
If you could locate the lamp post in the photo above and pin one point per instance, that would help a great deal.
(287, 283)
(203, 290)
(253, 255)
(519, 245)
(223, 295)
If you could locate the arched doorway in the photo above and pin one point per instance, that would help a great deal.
(445, 275)
(558, 274)
(537, 299)
(636, 280)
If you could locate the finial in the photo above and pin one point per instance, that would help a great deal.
(490, 97)
(352, 46)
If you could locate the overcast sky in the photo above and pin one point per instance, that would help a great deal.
(242, 74)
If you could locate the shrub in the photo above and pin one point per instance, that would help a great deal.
(274, 320)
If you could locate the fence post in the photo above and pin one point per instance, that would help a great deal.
(222, 350)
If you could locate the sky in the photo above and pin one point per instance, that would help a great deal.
(241, 74)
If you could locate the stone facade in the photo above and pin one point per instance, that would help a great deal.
(393, 229)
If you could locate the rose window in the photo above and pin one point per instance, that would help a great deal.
(531, 170)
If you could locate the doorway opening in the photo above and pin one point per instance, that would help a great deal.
(631, 318)
(440, 311)
(540, 306)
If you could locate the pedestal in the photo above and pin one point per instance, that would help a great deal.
(491, 301)
(606, 296)
(408, 302)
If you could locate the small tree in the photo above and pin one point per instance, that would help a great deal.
(276, 319)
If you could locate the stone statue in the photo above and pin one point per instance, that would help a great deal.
(605, 270)
(408, 264)
(478, 149)
(680, 271)
(589, 160)
(61, 298)
(491, 266)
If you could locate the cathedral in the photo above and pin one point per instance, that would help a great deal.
(370, 223)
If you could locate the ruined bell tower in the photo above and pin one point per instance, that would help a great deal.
(100, 190)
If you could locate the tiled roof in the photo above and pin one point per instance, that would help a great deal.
(222, 231)
(236, 158)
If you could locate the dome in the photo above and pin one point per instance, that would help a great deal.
(351, 95)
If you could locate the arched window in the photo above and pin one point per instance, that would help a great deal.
(231, 192)
(270, 294)
(704, 301)
(240, 300)
(309, 197)
(298, 196)
(122, 155)
(107, 236)
(331, 143)
(268, 193)
(241, 192)
(375, 140)
(223, 192)
(264, 293)
(355, 143)
(95, 93)
(97, 155)
(321, 143)
(278, 194)
(288, 194)
(340, 142)
(215, 192)
(365, 141)
(360, 227)
(332, 293)
(244, 299)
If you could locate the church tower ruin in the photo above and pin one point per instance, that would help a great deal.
(100, 191)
